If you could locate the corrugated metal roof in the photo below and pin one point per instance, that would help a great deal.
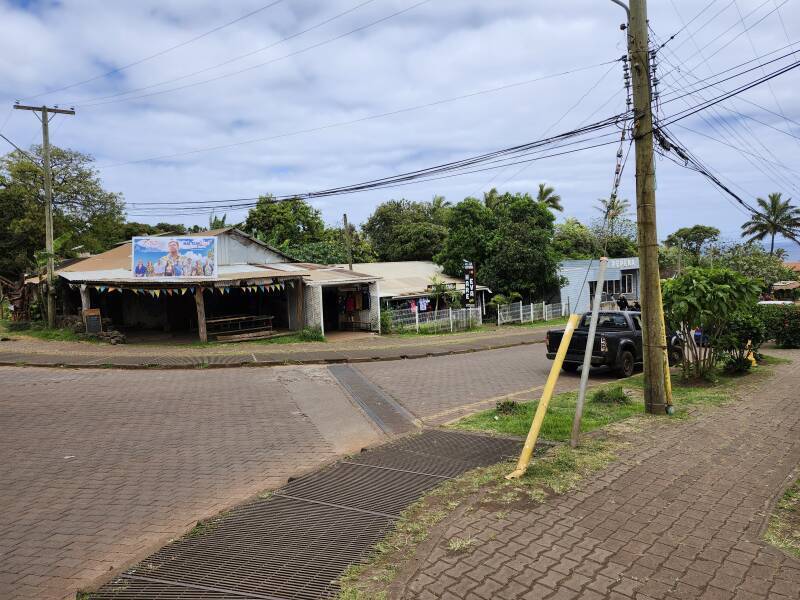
(319, 275)
(225, 273)
(407, 279)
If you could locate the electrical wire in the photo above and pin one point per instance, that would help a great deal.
(233, 59)
(360, 119)
(157, 54)
(259, 65)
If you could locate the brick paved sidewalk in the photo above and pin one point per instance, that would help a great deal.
(678, 516)
(21, 350)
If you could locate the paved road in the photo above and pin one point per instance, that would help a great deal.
(680, 515)
(437, 389)
(98, 468)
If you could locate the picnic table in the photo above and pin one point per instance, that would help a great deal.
(240, 323)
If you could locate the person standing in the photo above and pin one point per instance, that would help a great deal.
(622, 302)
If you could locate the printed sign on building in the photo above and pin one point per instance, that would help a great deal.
(178, 257)
(469, 282)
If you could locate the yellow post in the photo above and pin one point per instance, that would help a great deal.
(667, 374)
(547, 393)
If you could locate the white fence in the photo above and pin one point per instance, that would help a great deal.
(456, 319)
(519, 312)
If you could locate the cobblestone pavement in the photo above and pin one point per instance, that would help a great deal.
(678, 516)
(440, 389)
(98, 468)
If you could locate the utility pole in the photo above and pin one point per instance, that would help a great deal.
(45, 117)
(348, 243)
(653, 332)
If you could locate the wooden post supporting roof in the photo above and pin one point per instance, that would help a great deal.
(201, 313)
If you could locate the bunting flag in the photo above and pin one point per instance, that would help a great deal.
(102, 288)
(158, 293)
(261, 287)
(169, 291)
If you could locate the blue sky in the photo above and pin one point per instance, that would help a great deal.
(440, 49)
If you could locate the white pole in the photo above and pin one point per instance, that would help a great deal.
(544, 311)
(451, 319)
(531, 312)
(587, 356)
(416, 318)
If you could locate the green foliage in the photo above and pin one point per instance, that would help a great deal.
(81, 207)
(744, 332)
(788, 334)
(777, 217)
(387, 323)
(611, 395)
(775, 318)
(548, 198)
(692, 238)
(751, 260)
(508, 407)
(311, 334)
(406, 230)
(469, 226)
(290, 223)
(575, 240)
(613, 210)
(707, 298)
(620, 246)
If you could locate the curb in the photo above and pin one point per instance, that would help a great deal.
(265, 363)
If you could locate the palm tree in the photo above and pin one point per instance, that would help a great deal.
(549, 198)
(613, 209)
(777, 216)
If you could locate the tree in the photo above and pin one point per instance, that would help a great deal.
(547, 196)
(215, 222)
(520, 253)
(285, 224)
(469, 227)
(92, 216)
(332, 249)
(613, 210)
(406, 230)
(437, 289)
(692, 238)
(575, 240)
(707, 298)
(777, 217)
(751, 260)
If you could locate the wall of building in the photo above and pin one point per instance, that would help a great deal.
(375, 306)
(576, 290)
(312, 306)
(236, 249)
(294, 296)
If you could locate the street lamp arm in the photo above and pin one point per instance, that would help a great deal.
(623, 5)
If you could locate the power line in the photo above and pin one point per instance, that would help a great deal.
(362, 119)
(259, 65)
(157, 54)
(235, 58)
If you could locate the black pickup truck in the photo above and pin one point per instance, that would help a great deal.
(617, 343)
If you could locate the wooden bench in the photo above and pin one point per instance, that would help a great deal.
(240, 325)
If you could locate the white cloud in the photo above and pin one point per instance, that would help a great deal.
(441, 49)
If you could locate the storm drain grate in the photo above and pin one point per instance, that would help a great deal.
(297, 542)
(387, 414)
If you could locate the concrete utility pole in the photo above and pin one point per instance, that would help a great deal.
(653, 332)
(48, 202)
(348, 243)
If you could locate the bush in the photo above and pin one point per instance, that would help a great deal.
(772, 315)
(788, 335)
(745, 332)
(311, 334)
(611, 395)
(509, 407)
(386, 322)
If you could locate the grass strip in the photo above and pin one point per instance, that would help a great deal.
(783, 530)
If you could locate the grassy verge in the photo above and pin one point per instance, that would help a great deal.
(557, 472)
(515, 419)
(554, 473)
(784, 525)
(486, 327)
(42, 332)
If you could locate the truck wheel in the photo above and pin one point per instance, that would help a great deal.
(675, 356)
(569, 367)
(626, 365)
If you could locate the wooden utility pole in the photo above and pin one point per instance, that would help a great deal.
(45, 117)
(653, 334)
(348, 243)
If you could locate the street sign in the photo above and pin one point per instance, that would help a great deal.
(469, 282)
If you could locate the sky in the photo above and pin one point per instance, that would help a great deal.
(294, 74)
